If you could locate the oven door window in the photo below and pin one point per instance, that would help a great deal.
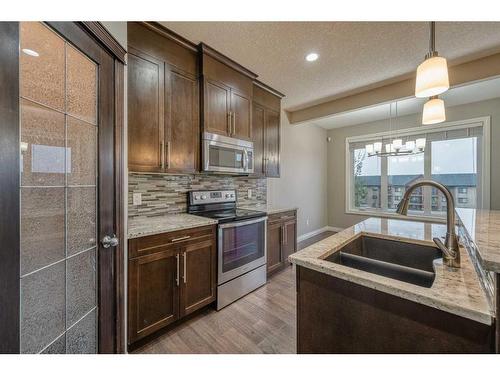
(225, 157)
(242, 245)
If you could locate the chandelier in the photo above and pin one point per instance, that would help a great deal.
(395, 147)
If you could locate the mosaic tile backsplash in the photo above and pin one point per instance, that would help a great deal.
(167, 194)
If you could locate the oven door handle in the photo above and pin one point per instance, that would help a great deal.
(242, 222)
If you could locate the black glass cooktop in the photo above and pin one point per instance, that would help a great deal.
(231, 214)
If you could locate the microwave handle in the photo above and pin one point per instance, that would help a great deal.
(245, 160)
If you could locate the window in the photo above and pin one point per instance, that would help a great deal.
(454, 156)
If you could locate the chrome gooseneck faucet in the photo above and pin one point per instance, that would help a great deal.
(451, 252)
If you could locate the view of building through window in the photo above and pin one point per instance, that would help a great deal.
(453, 162)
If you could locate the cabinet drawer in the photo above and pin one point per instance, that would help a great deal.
(160, 242)
(283, 216)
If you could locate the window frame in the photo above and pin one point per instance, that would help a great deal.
(484, 167)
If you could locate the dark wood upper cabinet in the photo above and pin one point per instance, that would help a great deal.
(182, 126)
(217, 107)
(227, 95)
(163, 100)
(266, 130)
(241, 116)
(258, 125)
(272, 144)
(145, 112)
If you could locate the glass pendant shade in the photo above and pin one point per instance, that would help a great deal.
(434, 112)
(369, 148)
(432, 77)
(377, 146)
(410, 145)
(420, 143)
(397, 144)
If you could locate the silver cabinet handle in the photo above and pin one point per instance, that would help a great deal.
(168, 153)
(229, 123)
(180, 238)
(177, 275)
(234, 123)
(184, 275)
(245, 160)
(109, 241)
(162, 155)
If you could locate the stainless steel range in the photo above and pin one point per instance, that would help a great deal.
(241, 243)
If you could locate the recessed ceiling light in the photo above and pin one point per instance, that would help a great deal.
(30, 52)
(312, 57)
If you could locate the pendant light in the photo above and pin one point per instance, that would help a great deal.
(434, 111)
(432, 74)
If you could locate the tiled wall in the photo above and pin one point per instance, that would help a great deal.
(58, 108)
(163, 194)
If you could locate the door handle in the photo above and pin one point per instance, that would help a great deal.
(109, 241)
(177, 275)
(184, 274)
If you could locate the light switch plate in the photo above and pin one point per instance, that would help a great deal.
(249, 193)
(136, 199)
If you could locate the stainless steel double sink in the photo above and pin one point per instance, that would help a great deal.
(402, 261)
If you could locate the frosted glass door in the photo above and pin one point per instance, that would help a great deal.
(59, 128)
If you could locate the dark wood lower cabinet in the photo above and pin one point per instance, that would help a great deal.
(198, 284)
(153, 293)
(337, 316)
(281, 240)
(176, 278)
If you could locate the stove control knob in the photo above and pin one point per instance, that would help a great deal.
(203, 197)
(232, 195)
(228, 195)
(196, 197)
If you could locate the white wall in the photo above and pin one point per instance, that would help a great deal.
(303, 177)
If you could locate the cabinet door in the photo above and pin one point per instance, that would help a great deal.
(198, 282)
(272, 144)
(153, 293)
(241, 116)
(145, 107)
(216, 107)
(258, 138)
(289, 240)
(181, 122)
(274, 242)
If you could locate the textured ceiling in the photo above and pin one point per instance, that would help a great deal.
(352, 54)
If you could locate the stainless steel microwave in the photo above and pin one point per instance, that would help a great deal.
(223, 154)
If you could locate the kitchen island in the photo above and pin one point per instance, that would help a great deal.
(341, 309)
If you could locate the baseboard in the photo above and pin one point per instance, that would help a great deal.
(305, 236)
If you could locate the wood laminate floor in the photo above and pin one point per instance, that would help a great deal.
(261, 322)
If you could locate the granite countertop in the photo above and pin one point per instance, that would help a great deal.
(457, 291)
(483, 227)
(144, 226)
(268, 208)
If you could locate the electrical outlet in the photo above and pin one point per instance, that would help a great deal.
(136, 199)
(249, 193)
